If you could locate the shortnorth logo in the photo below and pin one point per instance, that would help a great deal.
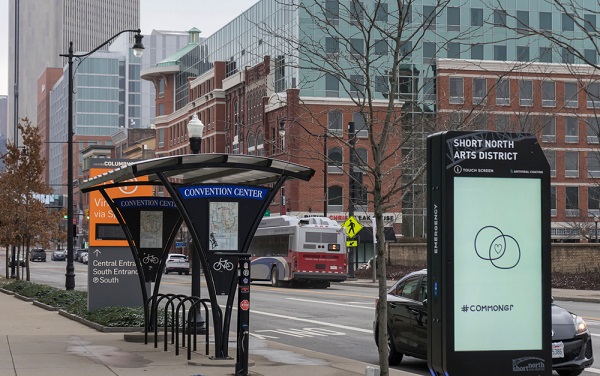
(502, 250)
(528, 364)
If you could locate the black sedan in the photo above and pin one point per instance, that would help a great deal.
(58, 255)
(407, 328)
(37, 254)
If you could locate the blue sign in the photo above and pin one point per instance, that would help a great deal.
(179, 244)
(223, 191)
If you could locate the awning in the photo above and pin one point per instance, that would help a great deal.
(366, 234)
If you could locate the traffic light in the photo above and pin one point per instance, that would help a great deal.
(87, 214)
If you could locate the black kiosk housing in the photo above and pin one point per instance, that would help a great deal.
(489, 287)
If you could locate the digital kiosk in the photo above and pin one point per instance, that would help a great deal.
(489, 288)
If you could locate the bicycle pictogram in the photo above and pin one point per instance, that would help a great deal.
(150, 259)
(223, 264)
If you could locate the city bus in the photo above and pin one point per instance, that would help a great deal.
(288, 250)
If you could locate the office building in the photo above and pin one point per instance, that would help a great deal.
(44, 31)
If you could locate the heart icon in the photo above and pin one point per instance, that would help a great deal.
(498, 248)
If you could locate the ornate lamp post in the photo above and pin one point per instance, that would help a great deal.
(138, 49)
(195, 129)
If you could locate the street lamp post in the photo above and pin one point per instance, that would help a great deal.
(195, 129)
(138, 49)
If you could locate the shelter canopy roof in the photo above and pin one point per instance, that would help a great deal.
(203, 169)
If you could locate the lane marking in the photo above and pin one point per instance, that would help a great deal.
(329, 303)
(592, 370)
(370, 331)
(595, 335)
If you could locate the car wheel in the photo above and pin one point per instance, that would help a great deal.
(187, 272)
(179, 273)
(571, 372)
(394, 357)
(275, 277)
(166, 271)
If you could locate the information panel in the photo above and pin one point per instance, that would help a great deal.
(488, 255)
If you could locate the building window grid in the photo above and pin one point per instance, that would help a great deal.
(548, 94)
(571, 129)
(593, 164)
(456, 90)
(571, 164)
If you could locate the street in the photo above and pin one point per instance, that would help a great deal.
(337, 320)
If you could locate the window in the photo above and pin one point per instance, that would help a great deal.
(503, 123)
(332, 45)
(567, 56)
(334, 122)
(357, 47)
(361, 161)
(479, 90)
(593, 162)
(406, 12)
(571, 164)
(360, 126)
(549, 129)
(382, 12)
(429, 89)
(429, 14)
(571, 95)
(161, 88)
(522, 21)
(335, 159)
(429, 52)
(567, 22)
(593, 95)
(551, 158)
(522, 53)
(334, 199)
(503, 92)
(594, 201)
(545, 21)
(499, 17)
(548, 93)
(572, 201)
(553, 201)
(409, 289)
(477, 51)
(454, 50)
(590, 55)
(476, 17)
(571, 129)
(332, 86)
(593, 129)
(382, 85)
(456, 90)
(357, 85)
(161, 109)
(381, 47)
(453, 18)
(332, 11)
(357, 12)
(500, 53)
(406, 48)
(589, 23)
(545, 54)
(525, 92)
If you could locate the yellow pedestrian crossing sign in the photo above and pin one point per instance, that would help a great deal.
(351, 243)
(352, 227)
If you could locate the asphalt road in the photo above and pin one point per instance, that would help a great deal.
(337, 320)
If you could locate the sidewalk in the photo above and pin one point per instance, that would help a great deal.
(35, 341)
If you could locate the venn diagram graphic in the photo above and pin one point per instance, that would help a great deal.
(502, 250)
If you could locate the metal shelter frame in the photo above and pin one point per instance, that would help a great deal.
(183, 170)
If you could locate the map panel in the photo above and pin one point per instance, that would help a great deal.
(223, 226)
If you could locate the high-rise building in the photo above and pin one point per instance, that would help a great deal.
(44, 31)
(225, 79)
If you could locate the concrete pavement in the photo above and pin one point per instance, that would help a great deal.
(36, 341)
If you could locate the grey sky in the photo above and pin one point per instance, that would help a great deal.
(207, 15)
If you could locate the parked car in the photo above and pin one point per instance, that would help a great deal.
(571, 340)
(84, 258)
(20, 261)
(58, 255)
(77, 254)
(177, 263)
(37, 254)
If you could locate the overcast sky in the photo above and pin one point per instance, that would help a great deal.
(207, 15)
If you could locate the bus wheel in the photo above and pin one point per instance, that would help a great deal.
(275, 277)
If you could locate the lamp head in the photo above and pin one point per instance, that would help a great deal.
(195, 129)
(138, 47)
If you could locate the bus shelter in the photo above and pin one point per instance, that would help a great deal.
(221, 198)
